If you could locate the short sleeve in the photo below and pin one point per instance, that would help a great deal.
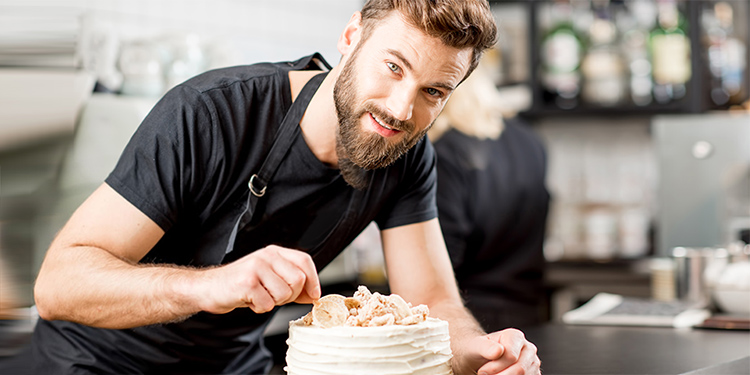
(158, 170)
(415, 197)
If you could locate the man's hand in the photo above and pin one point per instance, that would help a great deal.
(502, 352)
(261, 280)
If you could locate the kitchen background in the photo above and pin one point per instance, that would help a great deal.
(647, 151)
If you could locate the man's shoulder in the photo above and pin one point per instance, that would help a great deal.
(262, 73)
(241, 74)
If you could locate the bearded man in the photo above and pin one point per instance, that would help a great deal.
(242, 182)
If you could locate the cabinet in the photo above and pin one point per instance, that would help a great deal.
(705, 28)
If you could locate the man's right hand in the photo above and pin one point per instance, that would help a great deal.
(261, 280)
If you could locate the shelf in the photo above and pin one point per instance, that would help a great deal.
(696, 99)
(593, 111)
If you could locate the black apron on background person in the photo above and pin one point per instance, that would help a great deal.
(493, 206)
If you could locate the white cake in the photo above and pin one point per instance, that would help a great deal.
(373, 338)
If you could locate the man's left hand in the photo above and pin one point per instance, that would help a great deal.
(503, 352)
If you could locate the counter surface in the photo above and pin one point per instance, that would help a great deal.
(582, 350)
(568, 349)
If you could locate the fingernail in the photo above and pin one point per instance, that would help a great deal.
(482, 373)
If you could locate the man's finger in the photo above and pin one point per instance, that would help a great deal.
(259, 300)
(527, 363)
(303, 297)
(275, 286)
(305, 263)
(492, 350)
(294, 277)
(479, 350)
(513, 340)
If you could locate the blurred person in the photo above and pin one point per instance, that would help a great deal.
(492, 202)
(243, 182)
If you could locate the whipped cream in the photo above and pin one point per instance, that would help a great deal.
(417, 349)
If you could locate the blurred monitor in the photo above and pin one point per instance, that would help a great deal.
(704, 179)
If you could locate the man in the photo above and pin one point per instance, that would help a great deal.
(234, 191)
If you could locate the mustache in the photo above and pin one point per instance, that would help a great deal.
(389, 120)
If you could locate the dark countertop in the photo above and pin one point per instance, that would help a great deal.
(568, 349)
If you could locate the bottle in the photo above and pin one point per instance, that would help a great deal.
(670, 53)
(726, 55)
(602, 67)
(636, 21)
(561, 53)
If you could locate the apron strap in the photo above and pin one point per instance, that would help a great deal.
(288, 131)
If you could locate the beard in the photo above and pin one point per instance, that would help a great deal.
(358, 151)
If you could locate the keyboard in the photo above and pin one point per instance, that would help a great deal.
(613, 309)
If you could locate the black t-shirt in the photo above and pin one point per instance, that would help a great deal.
(493, 205)
(187, 168)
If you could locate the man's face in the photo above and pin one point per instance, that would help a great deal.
(390, 90)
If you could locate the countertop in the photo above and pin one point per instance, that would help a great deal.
(569, 349)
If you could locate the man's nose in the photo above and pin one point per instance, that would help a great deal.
(400, 103)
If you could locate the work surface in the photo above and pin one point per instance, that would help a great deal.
(567, 349)
(582, 350)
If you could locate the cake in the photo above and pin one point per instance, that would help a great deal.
(368, 333)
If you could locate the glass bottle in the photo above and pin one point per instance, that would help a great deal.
(670, 53)
(726, 55)
(602, 67)
(635, 22)
(561, 53)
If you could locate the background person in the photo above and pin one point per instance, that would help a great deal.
(492, 203)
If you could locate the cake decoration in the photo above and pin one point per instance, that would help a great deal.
(364, 309)
(368, 334)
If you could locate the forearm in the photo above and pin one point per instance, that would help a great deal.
(462, 327)
(91, 286)
(431, 283)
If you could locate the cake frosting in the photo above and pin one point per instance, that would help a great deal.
(371, 334)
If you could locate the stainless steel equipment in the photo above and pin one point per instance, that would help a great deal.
(704, 179)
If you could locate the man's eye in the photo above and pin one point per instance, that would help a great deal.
(433, 92)
(393, 67)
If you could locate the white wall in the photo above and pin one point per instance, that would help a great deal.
(93, 33)
(261, 30)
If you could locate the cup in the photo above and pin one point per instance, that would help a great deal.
(663, 286)
(690, 266)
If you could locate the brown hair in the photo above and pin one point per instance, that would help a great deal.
(457, 23)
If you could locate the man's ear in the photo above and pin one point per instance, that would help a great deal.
(351, 34)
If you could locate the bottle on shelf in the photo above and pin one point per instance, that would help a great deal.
(602, 66)
(636, 21)
(561, 53)
(725, 55)
(670, 53)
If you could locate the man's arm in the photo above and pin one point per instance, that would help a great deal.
(91, 276)
(419, 270)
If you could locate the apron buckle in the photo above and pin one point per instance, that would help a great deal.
(252, 188)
